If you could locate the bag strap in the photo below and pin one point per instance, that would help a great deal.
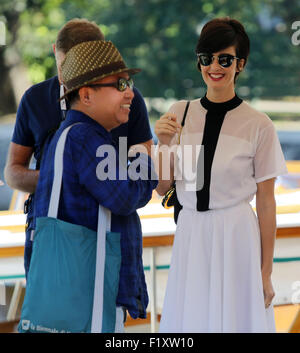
(183, 119)
(185, 112)
(58, 172)
(104, 217)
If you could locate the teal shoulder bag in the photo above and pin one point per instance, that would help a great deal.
(73, 278)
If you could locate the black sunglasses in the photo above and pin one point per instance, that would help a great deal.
(225, 60)
(120, 85)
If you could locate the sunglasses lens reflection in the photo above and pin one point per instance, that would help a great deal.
(205, 60)
(225, 60)
(123, 84)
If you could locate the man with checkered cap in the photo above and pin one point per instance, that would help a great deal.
(99, 88)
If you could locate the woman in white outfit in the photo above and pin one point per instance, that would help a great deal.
(220, 273)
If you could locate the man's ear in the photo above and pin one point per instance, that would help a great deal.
(84, 94)
(54, 48)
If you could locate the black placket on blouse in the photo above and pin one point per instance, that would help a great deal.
(213, 123)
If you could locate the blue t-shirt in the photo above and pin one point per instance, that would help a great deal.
(39, 113)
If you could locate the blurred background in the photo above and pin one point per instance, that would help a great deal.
(160, 37)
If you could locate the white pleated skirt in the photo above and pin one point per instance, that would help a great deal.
(214, 282)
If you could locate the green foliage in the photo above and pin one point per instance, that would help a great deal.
(36, 36)
(160, 37)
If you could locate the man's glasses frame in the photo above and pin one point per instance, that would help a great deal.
(225, 60)
(121, 85)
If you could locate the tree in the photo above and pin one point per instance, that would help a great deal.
(160, 37)
(9, 15)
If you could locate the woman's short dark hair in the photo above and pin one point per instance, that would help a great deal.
(221, 33)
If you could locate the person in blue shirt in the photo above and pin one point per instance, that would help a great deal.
(40, 112)
(99, 89)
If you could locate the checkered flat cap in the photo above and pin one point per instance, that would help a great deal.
(90, 61)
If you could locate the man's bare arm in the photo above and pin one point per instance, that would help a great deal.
(17, 173)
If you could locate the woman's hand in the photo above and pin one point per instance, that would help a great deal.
(268, 290)
(166, 127)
